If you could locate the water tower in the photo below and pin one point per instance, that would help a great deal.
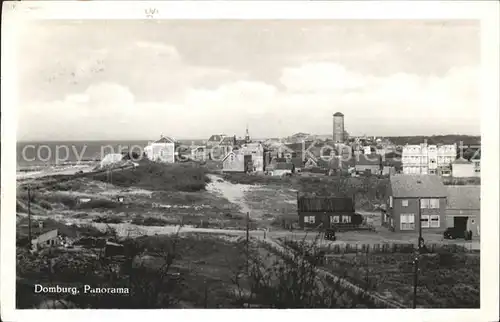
(338, 127)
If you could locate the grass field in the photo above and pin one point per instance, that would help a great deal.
(445, 280)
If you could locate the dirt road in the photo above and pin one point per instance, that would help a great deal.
(235, 193)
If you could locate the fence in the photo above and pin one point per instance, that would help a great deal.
(385, 248)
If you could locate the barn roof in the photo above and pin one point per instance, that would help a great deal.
(415, 186)
(464, 197)
(324, 204)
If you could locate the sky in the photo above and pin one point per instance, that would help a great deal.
(189, 79)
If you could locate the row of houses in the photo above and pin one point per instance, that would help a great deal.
(440, 206)
(424, 198)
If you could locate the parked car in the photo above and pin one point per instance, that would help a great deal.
(330, 234)
(454, 233)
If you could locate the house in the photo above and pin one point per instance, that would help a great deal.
(282, 168)
(368, 163)
(325, 164)
(403, 194)
(325, 211)
(298, 164)
(162, 150)
(463, 208)
(367, 149)
(388, 170)
(47, 239)
(476, 160)
(256, 152)
(235, 161)
(199, 153)
(428, 159)
(215, 139)
(282, 151)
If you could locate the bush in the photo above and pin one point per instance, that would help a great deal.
(149, 221)
(45, 205)
(66, 200)
(159, 176)
(99, 203)
(108, 220)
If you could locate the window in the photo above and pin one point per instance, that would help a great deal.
(473, 221)
(407, 221)
(435, 221)
(48, 242)
(390, 201)
(434, 203)
(424, 203)
(404, 203)
(424, 221)
(309, 219)
(346, 219)
(335, 219)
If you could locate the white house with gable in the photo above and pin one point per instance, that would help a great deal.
(162, 150)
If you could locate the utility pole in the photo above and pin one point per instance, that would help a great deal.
(417, 255)
(29, 216)
(248, 237)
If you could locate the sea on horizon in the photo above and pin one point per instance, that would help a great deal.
(53, 153)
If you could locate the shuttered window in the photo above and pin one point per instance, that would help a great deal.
(309, 219)
(435, 221)
(425, 221)
(407, 221)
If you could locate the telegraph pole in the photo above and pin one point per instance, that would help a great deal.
(248, 237)
(417, 255)
(29, 216)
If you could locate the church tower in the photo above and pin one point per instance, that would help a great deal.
(247, 136)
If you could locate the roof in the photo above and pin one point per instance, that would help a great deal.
(227, 140)
(294, 147)
(165, 139)
(415, 186)
(216, 137)
(227, 155)
(464, 197)
(324, 204)
(368, 159)
(338, 114)
(283, 166)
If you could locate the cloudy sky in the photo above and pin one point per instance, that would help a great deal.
(91, 80)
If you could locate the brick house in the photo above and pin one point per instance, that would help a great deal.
(403, 194)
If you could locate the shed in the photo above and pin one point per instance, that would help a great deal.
(326, 211)
(463, 208)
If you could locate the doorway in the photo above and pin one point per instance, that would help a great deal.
(460, 223)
